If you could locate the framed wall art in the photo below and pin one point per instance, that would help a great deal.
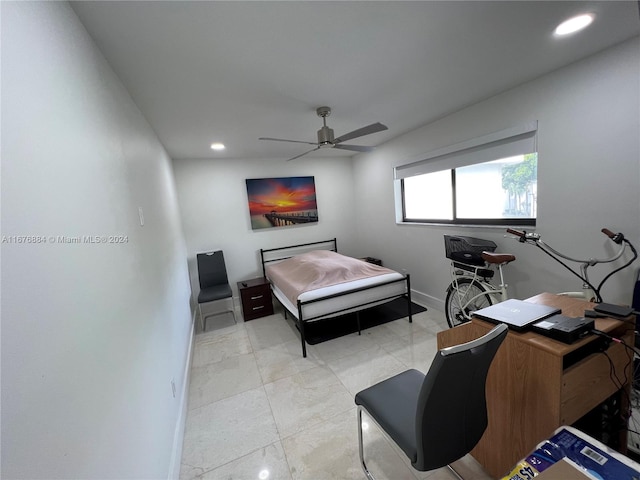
(280, 202)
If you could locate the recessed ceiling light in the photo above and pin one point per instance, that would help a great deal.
(217, 146)
(574, 24)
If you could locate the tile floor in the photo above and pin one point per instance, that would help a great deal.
(259, 411)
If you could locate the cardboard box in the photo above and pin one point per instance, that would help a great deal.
(566, 470)
(572, 452)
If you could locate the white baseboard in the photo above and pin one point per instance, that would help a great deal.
(178, 434)
(427, 300)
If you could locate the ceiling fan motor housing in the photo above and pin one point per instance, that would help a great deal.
(325, 136)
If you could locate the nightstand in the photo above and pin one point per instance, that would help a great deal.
(255, 295)
(375, 261)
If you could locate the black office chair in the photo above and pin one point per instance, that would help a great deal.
(439, 417)
(214, 283)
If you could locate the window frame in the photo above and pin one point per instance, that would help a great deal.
(461, 155)
(509, 221)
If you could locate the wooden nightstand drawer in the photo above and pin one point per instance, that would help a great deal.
(255, 295)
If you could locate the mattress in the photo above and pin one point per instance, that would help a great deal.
(377, 291)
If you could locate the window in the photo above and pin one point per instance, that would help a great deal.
(489, 181)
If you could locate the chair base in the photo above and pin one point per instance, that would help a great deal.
(453, 470)
(203, 318)
(361, 448)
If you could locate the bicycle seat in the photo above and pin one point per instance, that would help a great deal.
(498, 258)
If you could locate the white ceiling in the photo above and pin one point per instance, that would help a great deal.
(235, 71)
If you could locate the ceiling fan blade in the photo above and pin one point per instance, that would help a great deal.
(283, 140)
(298, 156)
(369, 129)
(355, 148)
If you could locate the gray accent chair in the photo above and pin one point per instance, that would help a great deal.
(439, 417)
(214, 283)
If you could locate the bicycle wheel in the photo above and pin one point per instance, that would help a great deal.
(458, 305)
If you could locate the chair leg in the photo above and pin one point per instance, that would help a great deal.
(360, 446)
(233, 310)
(202, 320)
(453, 470)
(361, 451)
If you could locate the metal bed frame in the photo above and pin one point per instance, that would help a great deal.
(332, 244)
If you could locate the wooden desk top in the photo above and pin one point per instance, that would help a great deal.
(571, 307)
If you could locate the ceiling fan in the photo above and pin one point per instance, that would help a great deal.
(326, 139)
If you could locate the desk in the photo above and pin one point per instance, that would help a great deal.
(536, 384)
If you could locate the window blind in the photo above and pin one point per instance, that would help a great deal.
(506, 143)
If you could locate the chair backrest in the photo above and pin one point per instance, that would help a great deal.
(452, 410)
(211, 269)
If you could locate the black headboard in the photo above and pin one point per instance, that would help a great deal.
(268, 255)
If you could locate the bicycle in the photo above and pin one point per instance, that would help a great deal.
(473, 264)
(589, 292)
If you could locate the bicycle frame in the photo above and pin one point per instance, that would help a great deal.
(499, 293)
(473, 262)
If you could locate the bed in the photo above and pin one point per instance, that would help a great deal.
(308, 291)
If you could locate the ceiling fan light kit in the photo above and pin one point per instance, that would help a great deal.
(326, 138)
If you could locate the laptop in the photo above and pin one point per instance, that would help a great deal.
(517, 314)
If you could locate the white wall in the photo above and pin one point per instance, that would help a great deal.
(215, 215)
(92, 334)
(588, 177)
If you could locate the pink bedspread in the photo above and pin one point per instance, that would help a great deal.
(318, 269)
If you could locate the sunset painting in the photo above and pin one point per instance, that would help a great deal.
(279, 202)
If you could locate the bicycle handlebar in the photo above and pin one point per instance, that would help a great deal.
(618, 238)
(608, 233)
(523, 236)
(517, 233)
